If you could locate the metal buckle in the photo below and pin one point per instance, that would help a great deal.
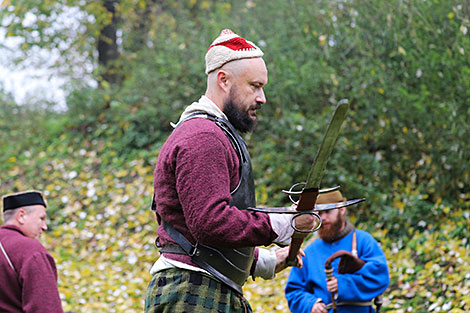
(194, 250)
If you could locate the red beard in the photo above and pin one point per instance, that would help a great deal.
(330, 231)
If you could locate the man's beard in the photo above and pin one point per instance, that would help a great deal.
(330, 231)
(241, 120)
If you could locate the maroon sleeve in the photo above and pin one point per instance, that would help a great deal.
(203, 171)
(38, 277)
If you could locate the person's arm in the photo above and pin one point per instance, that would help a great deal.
(206, 168)
(38, 277)
(372, 279)
(272, 261)
(265, 264)
(203, 181)
(281, 224)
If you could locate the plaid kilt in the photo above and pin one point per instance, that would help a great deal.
(178, 291)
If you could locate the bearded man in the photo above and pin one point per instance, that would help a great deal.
(203, 185)
(308, 289)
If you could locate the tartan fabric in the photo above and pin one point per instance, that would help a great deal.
(181, 291)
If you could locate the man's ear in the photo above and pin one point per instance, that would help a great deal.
(224, 80)
(20, 216)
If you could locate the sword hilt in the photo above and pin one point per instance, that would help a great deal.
(315, 228)
(306, 202)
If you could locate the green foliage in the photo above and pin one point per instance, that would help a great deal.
(401, 66)
(24, 128)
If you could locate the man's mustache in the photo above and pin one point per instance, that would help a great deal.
(256, 106)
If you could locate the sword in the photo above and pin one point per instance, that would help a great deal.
(311, 188)
(310, 192)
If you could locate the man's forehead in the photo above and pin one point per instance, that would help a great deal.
(255, 63)
(255, 69)
(39, 209)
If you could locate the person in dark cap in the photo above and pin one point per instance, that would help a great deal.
(203, 187)
(344, 269)
(28, 274)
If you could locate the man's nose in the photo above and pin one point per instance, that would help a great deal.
(44, 226)
(261, 98)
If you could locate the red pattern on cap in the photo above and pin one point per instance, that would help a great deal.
(236, 44)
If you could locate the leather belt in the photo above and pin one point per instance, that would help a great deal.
(351, 303)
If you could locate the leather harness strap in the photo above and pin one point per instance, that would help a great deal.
(354, 245)
(173, 249)
(6, 257)
(195, 253)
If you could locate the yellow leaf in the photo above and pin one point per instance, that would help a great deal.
(401, 50)
(205, 5)
(428, 265)
(334, 80)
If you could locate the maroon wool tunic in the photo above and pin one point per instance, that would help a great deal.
(196, 169)
(33, 288)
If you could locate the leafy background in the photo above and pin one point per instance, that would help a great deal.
(402, 65)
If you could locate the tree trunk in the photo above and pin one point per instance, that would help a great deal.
(107, 46)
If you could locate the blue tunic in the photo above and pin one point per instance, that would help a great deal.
(308, 284)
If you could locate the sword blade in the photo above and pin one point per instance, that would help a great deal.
(310, 192)
(337, 205)
(312, 186)
(319, 164)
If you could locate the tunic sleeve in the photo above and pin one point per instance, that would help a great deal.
(203, 175)
(38, 277)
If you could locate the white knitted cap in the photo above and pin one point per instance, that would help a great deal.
(228, 47)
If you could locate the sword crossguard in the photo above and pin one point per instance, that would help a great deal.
(292, 192)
